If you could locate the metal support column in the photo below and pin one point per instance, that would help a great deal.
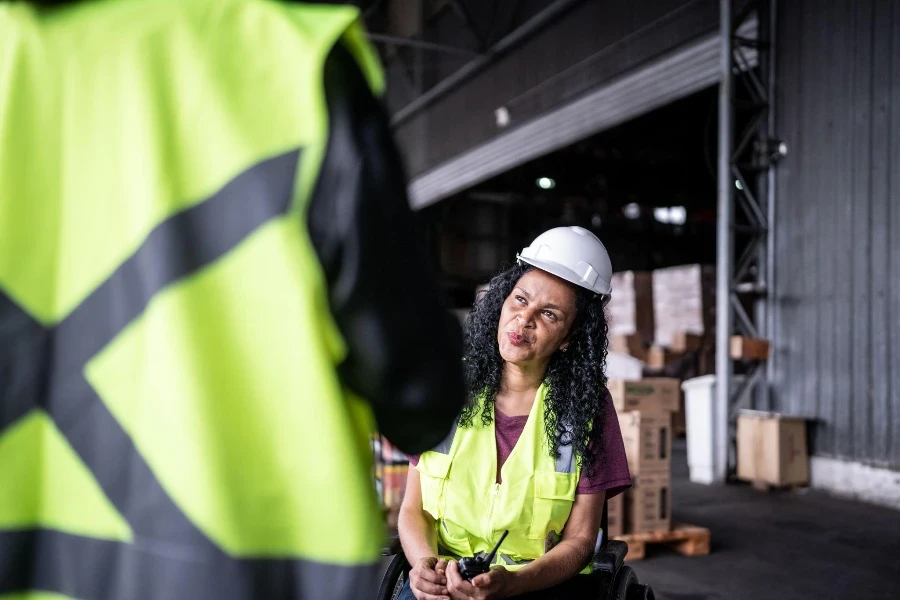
(724, 248)
(746, 208)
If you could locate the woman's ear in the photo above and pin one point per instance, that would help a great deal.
(564, 346)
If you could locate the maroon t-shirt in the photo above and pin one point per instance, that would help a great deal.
(610, 467)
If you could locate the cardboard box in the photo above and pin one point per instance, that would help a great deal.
(771, 448)
(631, 344)
(745, 348)
(658, 357)
(653, 393)
(686, 342)
(648, 440)
(631, 305)
(648, 504)
(615, 516)
(679, 419)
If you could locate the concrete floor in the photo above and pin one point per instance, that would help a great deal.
(780, 545)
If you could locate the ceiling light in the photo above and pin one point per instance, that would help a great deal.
(677, 215)
(632, 211)
(674, 215)
(545, 183)
(661, 214)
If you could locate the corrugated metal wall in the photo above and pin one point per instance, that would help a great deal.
(838, 225)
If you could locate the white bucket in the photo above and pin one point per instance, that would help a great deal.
(699, 407)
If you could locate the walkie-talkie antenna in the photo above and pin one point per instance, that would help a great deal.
(490, 557)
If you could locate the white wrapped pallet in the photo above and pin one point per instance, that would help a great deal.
(684, 300)
(631, 306)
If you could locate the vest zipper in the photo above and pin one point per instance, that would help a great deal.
(494, 493)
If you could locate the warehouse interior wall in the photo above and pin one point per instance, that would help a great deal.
(593, 43)
(837, 236)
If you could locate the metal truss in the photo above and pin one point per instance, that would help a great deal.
(746, 201)
(485, 52)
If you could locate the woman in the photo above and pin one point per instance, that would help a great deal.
(537, 448)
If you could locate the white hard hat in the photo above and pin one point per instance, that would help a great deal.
(574, 254)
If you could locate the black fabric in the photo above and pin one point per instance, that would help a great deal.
(405, 348)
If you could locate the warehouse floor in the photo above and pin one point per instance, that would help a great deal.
(780, 545)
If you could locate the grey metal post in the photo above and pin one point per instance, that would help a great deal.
(771, 283)
(724, 248)
(760, 395)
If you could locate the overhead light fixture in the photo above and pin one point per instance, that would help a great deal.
(737, 184)
(661, 214)
(670, 215)
(632, 211)
(545, 183)
(678, 215)
(770, 151)
(502, 116)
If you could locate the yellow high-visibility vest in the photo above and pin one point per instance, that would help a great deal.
(171, 421)
(471, 510)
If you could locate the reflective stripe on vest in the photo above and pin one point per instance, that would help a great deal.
(158, 395)
(471, 510)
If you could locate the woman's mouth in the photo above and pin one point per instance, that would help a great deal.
(516, 339)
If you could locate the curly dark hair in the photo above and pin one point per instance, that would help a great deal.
(576, 379)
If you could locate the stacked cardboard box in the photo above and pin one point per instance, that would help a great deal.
(631, 344)
(658, 357)
(654, 393)
(615, 513)
(771, 449)
(683, 302)
(746, 348)
(648, 504)
(631, 305)
(645, 410)
(682, 342)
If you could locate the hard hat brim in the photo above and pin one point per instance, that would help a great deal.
(568, 275)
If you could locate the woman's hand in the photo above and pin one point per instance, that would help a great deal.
(496, 583)
(428, 580)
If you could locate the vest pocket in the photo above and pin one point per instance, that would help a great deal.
(433, 468)
(452, 539)
(554, 494)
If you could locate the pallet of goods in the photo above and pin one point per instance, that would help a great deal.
(687, 540)
(683, 301)
(631, 306)
(644, 408)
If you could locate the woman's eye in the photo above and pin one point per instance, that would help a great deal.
(520, 299)
(549, 315)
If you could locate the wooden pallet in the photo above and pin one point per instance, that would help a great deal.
(763, 486)
(687, 540)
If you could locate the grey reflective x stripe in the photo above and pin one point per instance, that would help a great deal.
(76, 567)
(42, 368)
(444, 552)
(565, 462)
(506, 560)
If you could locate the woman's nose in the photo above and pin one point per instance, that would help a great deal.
(525, 317)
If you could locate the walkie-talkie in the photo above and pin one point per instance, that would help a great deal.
(473, 566)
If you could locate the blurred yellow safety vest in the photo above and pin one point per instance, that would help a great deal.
(472, 510)
(171, 420)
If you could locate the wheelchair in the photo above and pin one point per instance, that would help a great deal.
(610, 579)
